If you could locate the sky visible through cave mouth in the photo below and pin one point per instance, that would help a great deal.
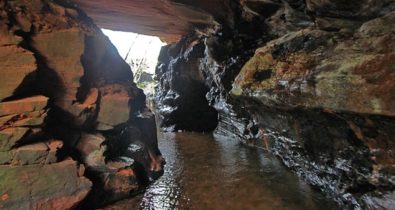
(141, 46)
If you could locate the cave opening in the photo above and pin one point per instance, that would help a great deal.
(141, 53)
(180, 84)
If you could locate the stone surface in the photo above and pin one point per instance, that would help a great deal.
(62, 79)
(167, 19)
(321, 74)
(310, 81)
(54, 147)
(34, 153)
(30, 154)
(7, 37)
(10, 136)
(27, 119)
(137, 144)
(92, 150)
(35, 103)
(112, 183)
(63, 71)
(350, 9)
(5, 157)
(54, 186)
(181, 91)
(15, 63)
(114, 105)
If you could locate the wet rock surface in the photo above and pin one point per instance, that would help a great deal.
(65, 92)
(315, 68)
(313, 83)
(181, 91)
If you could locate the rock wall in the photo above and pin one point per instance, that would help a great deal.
(168, 19)
(74, 128)
(310, 81)
(181, 92)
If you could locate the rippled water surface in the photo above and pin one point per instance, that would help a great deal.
(206, 172)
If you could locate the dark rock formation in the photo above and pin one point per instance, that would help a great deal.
(310, 81)
(65, 93)
(182, 89)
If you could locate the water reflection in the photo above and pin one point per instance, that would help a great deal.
(165, 193)
(206, 172)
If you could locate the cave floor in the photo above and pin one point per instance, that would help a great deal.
(215, 172)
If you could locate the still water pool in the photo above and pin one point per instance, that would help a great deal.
(213, 172)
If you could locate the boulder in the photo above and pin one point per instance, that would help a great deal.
(117, 176)
(30, 154)
(114, 105)
(49, 187)
(92, 150)
(36, 153)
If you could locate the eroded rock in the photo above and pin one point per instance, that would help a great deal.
(115, 106)
(313, 84)
(30, 154)
(15, 63)
(55, 186)
(167, 19)
(31, 104)
(182, 89)
(53, 49)
(10, 136)
(299, 70)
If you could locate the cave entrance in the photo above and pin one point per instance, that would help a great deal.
(179, 94)
(141, 53)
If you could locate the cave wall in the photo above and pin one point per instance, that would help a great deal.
(181, 90)
(74, 128)
(309, 81)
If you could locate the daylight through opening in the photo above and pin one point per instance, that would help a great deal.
(140, 52)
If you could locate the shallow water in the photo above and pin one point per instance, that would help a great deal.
(207, 172)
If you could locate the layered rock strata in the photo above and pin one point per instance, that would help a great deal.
(310, 81)
(74, 128)
(167, 19)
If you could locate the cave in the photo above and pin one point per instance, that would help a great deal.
(258, 104)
